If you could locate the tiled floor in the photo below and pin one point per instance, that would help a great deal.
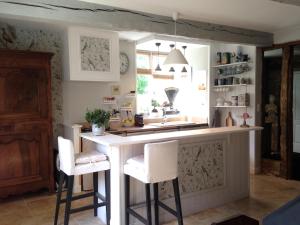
(267, 194)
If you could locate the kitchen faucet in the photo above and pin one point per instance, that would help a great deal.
(164, 116)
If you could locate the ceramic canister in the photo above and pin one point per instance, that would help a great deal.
(234, 100)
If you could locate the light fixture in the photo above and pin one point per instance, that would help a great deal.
(172, 70)
(158, 66)
(175, 57)
(184, 69)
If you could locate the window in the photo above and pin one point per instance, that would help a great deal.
(143, 61)
(151, 84)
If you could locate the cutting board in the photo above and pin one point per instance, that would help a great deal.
(229, 120)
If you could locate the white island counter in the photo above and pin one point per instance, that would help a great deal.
(213, 167)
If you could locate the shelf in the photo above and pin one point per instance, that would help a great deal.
(231, 85)
(126, 108)
(130, 96)
(230, 64)
(231, 106)
(109, 102)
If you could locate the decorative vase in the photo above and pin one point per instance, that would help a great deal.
(98, 131)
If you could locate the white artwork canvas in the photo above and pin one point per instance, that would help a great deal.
(92, 54)
(95, 54)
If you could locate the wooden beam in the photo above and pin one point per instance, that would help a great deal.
(289, 2)
(286, 114)
(84, 13)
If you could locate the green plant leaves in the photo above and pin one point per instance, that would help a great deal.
(97, 116)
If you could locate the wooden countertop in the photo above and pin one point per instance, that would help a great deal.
(159, 127)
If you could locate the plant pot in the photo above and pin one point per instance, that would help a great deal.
(98, 131)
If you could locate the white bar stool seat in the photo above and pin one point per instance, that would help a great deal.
(79, 164)
(157, 164)
(89, 162)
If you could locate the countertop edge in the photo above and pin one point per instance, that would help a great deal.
(112, 140)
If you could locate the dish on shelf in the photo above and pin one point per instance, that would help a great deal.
(220, 101)
(229, 85)
(233, 70)
(232, 106)
(231, 64)
(222, 89)
(227, 103)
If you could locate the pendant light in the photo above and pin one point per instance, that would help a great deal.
(175, 57)
(184, 69)
(172, 70)
(158, 66)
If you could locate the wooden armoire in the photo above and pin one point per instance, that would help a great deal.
(26, 155)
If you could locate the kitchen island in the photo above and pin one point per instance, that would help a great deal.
(213, 167)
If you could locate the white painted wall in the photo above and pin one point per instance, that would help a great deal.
(287, 35)
(198, 103)
(78, 95)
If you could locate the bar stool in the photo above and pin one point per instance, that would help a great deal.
(79, 164)
(157, 164)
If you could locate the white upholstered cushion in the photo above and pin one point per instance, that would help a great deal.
(159, 163)
(91, 167)
(67, 160)
(89, 157)
(137, 161)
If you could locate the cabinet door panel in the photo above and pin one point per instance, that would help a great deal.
(23, 158)
(23, 93)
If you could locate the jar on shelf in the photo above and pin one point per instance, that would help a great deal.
(234, 100)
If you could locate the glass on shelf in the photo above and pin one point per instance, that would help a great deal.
(233, 69)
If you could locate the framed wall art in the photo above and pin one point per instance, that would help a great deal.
(93, 54)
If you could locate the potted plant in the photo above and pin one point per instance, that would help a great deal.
(98, 118)
(155, 104)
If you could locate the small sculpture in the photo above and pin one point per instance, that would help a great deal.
(245, 116)
(272, 118)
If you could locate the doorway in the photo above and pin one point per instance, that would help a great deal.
(296, 113)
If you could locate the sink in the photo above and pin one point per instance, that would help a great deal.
(172, 123)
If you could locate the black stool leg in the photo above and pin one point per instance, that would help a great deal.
(156, 209)
(127, 198)
(148, 203)
(177, 201)
(107, 195)
(95, 182)
(69, 199)
(58, 198)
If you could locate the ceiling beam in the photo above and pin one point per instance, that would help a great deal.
(95, 15)
(289, 2)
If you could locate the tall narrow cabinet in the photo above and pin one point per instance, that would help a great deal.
(25, 122)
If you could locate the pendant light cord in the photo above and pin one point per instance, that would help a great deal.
(175, 17)
(175, 28)
(175, 32)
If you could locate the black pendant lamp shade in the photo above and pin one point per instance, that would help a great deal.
(184, 69)
(158, 66)
(172, 70)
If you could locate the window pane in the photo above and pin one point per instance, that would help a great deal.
(143, 61)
